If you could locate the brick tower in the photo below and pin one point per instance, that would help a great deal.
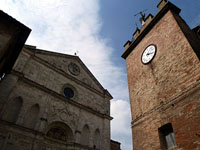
(163, 68)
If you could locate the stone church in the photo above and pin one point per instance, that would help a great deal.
(163, 68)
(51, 101)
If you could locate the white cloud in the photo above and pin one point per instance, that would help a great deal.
(71, 26)
(121, 124)
(68, 27)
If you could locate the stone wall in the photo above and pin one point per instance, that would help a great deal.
(35, 92)
(114, 145)
(54, 79)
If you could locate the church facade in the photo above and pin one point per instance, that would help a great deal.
(163, 69)
(51, 101)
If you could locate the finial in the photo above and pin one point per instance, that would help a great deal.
(76, 53)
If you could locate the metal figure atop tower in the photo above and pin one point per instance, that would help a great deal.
(142, 18)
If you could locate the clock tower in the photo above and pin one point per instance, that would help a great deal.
(163, 69)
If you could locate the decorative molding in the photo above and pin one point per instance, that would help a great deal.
(45, 63)
(59, 96)
(33, 52)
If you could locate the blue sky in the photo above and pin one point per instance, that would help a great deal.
(119, 22)
(97, 29)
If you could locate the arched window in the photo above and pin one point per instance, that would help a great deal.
(57, 133)
(96, 138)
(12, 110)
(85, 135)
(31, 117)
(60, 131)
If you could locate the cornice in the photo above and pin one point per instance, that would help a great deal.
(32, 131)
(33, 56)
(168, 6)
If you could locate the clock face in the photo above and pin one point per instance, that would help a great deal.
(148, 54)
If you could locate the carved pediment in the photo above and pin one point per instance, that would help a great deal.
(70, 65)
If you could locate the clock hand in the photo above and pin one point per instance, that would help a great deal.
(149, 53)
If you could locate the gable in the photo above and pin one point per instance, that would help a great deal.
(70, 65)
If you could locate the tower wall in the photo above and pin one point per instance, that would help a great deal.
(167, 90)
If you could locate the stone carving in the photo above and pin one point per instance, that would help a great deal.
(63, 113)
(88, 82)
(74, 69)
(57, 133)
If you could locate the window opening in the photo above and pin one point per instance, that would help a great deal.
(167, 137)
(68, 92)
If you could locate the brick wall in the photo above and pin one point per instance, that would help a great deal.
(160, 92)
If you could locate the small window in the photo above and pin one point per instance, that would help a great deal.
(167, 138)
(68, 92)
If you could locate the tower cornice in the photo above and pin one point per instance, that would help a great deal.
(168, 6)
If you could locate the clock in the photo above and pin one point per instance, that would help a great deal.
(74, 69)
(148, 54)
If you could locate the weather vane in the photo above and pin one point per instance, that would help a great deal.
(142, 18)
